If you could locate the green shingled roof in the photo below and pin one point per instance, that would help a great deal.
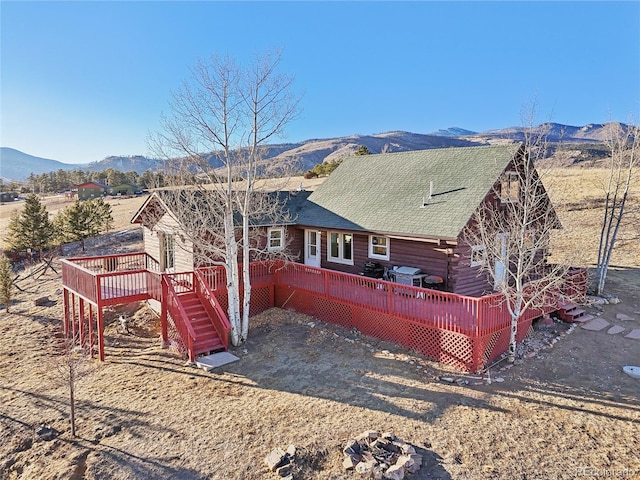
(384, 193)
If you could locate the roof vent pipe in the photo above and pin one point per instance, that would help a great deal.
(425, 200)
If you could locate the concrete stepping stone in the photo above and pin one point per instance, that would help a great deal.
(633, 334)
(623, 317)
(596, 324)
(632, 371)
(616, 329)
(215, 360)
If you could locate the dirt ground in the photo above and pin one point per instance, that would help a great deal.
(565, 410)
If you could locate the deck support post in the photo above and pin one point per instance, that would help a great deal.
(91, 330)
(100, 334)
(81, 321)
(163, 314)
(65, 310)
(73, 316)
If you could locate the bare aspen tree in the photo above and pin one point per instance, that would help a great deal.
(624, 146)
(220, 122)
(70, 362)
(512, 229)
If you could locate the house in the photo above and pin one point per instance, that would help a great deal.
(164, 226)
(89, 190)
(399, 216)
(406, 209)
(6, 197)
(125, 189)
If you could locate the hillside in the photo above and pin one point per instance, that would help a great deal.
(16, 165)
(304, 155)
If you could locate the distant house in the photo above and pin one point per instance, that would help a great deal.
(125, 189)
(89, 190)
(6, 197)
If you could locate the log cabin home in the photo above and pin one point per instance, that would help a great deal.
(378, 247)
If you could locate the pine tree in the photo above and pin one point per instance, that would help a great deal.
(6, 283)
(362, 150)
(31, 228)
(84, 220)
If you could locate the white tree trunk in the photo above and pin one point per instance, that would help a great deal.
(246, 299)
(516, 313)
(233, 280)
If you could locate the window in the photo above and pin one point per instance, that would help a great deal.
(478, 255)
(275, 239)
(340, 248)
(312, 243)
(167, 250)
(510, 187)
(378, 247)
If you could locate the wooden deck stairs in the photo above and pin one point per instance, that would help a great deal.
(571, 313)
(207, 339)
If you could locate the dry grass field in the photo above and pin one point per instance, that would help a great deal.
(565, 411)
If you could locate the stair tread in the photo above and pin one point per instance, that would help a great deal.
(200, 321)
(212, 345)
(583, 318)
(574, 313)
(568, 306)
(207, 338)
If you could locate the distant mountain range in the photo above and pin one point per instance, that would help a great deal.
(16, 165)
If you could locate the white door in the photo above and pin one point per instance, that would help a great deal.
(501, 263)
(312, 248)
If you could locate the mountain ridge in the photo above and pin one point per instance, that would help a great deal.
(17, 165)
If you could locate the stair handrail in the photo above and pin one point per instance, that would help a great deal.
(222, 325)
(173, 305)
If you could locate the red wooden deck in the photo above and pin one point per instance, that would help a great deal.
(466, 332)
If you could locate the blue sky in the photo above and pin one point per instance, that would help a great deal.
(84, 80)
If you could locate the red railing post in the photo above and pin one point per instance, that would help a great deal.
(163, 312)
(327, 288)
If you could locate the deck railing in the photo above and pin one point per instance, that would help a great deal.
(217, 315)
(441, 309)
(463, 331)
(80, 280)
(106, 280)
(174, 284)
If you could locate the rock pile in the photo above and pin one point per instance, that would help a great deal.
(381, 456)
(281, 462)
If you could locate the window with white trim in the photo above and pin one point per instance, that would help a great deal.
(378, 247)
(275, 239)
(478, 255)
(340, 248)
